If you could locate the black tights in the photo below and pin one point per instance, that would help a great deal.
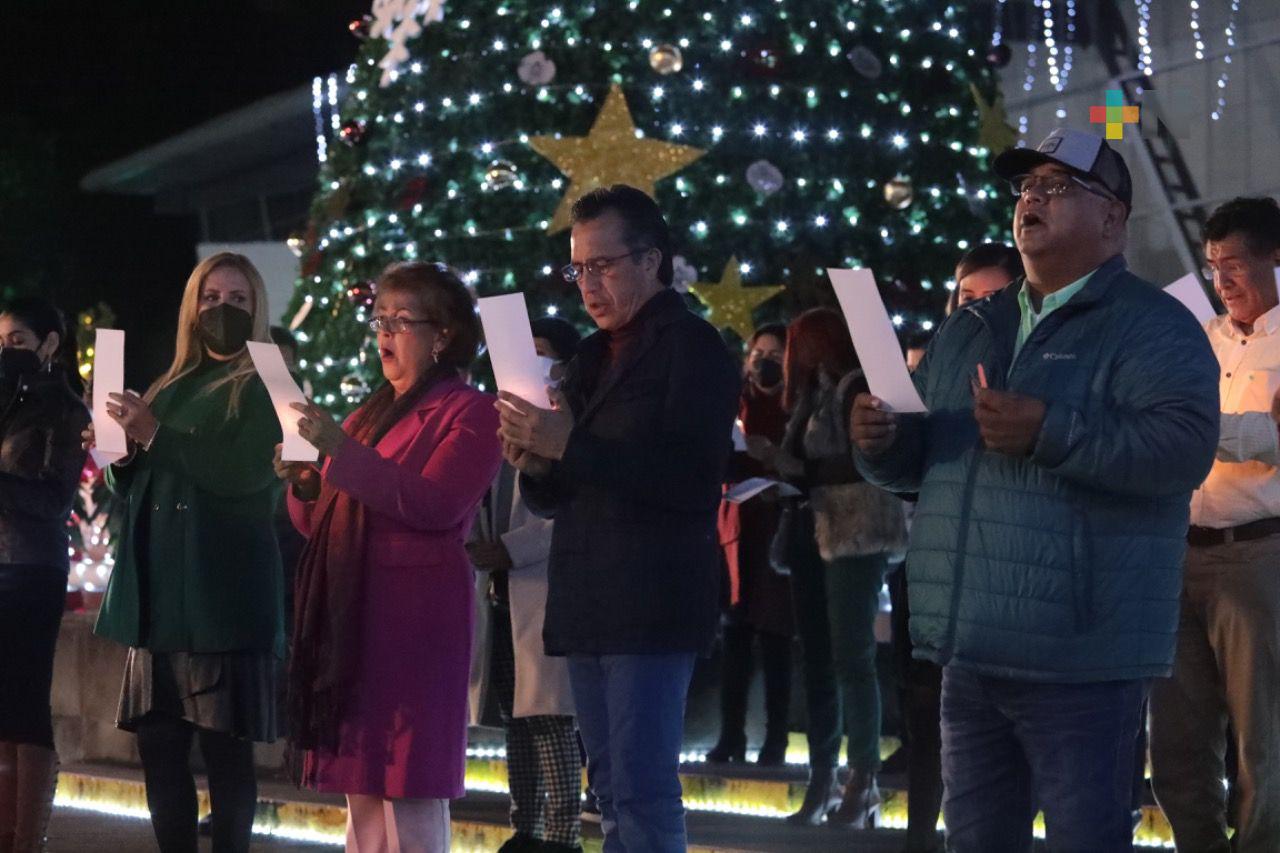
(164, 742)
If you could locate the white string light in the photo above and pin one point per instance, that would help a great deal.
(317, 112)
(1230, 31)
(997, 29)
(1051, 44)
(1028, 83)
(1145, 63)
(1196, 35)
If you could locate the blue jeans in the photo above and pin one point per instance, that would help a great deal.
(631, 717)
(1009, 745)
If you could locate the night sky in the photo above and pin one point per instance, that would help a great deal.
(85, 83)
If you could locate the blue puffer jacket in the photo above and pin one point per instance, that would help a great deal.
(1065, 566)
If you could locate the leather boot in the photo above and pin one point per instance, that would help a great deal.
(8, 794)
(822, 795)
(861, 804)
(37, 782)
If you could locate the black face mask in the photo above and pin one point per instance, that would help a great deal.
(16, 363)
(766, 372)
(225, 329)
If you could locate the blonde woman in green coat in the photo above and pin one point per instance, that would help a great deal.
(197, 590)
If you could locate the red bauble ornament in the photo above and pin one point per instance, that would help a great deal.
(362, 294)
(414, 189)
(353, 132)
(360, 27)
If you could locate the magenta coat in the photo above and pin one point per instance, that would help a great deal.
(405, 735)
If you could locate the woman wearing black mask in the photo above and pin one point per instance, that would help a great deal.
(40, 464)
(197, 589)
(758, 598)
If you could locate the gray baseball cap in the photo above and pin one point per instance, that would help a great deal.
(1084, 153)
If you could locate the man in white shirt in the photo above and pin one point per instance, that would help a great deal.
(1227, 668)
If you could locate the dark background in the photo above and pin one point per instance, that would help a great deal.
(85, 83)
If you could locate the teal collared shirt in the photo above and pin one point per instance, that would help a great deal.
(1030, 318)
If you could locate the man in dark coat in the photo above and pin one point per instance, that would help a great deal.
(629, 462)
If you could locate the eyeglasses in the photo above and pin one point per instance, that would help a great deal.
(396, 325)
(1231, 269)
(596, 266)
(1054, 185)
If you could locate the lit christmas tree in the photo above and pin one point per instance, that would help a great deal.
(780, 137)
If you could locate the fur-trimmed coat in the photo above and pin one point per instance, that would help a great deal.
(852, 518)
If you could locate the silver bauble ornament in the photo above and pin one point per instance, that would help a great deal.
(500, 175)
(536, 69)
(865, 62)
(899, 193)
(764, 177)
(666, 58)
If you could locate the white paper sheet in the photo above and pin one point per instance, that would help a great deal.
(875, 340)
(284, 391)
(1190, 292)
(110, 442)
(509, 338)
(748, 489)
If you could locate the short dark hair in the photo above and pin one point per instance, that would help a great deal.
(1256, 219)
(40, 316)
(777, 330)
(646, 228)
(981, 257)
(563, 336)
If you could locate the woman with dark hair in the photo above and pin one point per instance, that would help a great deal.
(758, 598)
(837, 571)
(197, 589)
(40, 464)
(983, 270)
(383, 595)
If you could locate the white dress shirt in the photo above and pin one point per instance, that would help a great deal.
(1244, 484)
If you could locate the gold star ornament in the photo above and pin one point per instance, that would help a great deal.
(729, 304)
(610, 153)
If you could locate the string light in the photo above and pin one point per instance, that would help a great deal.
(1230, 32)
(1145, 63)
(405, 189)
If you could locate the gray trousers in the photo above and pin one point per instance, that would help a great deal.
(1227, 669)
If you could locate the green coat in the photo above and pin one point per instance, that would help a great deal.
(197, 563)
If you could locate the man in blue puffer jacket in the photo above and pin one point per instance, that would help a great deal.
(1070, 417)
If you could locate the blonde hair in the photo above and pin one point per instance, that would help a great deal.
(188, 351)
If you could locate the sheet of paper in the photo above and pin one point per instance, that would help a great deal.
(510, 341)
(110, 443)
(269, 362)
(748, 489)
(875, 340)
(739, 438)
(1190, 292)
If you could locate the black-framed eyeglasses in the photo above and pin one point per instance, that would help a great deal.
(1054, 185)
(596, 266)
(396, 325)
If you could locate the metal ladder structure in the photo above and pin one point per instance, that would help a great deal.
(1162, 157)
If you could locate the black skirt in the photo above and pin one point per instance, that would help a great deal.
(229, 692)
(32, 599)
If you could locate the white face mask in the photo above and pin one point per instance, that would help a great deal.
(547, 363)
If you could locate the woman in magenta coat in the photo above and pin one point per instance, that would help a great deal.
(383, 595)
